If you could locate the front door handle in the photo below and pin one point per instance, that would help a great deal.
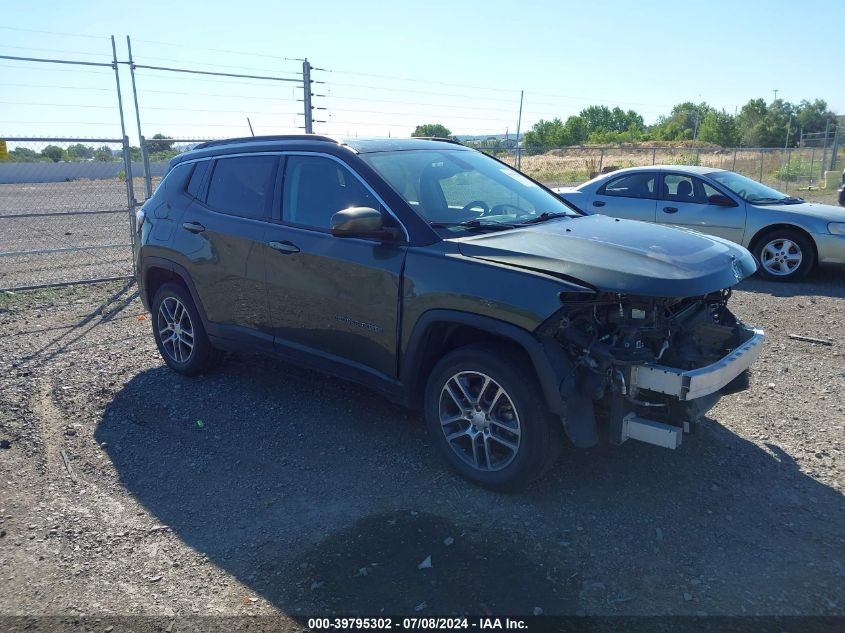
(598, 203)
(287, 248)
(670, 209)
(193, 227)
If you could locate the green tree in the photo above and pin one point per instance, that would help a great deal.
(80, 152)
(103, 154)
(719, 128)
(159, 143)
(24, 155)
(53, 152)
(682, 122)
(813, 116)
(575, 131)
(432, 129)
(544, 135)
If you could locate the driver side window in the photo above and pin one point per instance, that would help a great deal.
(315, 188)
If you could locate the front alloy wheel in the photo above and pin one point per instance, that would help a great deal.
(781, 257)
(479, 421)
(488, 417)
(785, 255)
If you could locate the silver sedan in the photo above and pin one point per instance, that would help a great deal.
(787, 235)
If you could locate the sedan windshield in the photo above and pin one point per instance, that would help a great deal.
(749, 190)
(465, 189)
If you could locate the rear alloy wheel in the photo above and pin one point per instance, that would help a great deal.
(179, 332)
(488, 418)
(784, 256)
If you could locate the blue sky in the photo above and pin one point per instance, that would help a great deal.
(391, 65)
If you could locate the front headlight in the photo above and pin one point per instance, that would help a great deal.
(837, 228)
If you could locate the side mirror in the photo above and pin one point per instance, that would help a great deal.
(720, 201)
(361, 222)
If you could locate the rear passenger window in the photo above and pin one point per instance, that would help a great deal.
(243, 185)
(194, 184)
(636, 185)
(316, 188)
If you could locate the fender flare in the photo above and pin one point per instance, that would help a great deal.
(409, 370)
(178, 271)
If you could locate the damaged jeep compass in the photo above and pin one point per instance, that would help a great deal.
(449, 282)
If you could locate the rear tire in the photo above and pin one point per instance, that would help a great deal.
(179, 333)
(487, 416)
(784, 255)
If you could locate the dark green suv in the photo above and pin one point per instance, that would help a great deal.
(449, 282)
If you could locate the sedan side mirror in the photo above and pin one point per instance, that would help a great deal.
(361, 222)
(721, 201)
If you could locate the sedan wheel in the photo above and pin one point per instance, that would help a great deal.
(785, 255)
(781, 257)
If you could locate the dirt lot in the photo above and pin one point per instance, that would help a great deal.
(266, 489)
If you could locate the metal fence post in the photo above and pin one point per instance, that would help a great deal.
(148, 185)
(733, 167)
(306, 96)
(823, 163)
(601, 159)
(761, 166)
(653, 155)
(148, 177)
(130, 195)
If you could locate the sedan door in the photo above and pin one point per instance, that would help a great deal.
(685, 202)
(631, 195)
(332, 299)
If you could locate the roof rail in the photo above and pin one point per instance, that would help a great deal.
(272, 137)
(443, 139)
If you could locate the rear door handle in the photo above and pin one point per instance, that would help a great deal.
(287, 248)
(193, 227)
(670, 209)
(598, 203)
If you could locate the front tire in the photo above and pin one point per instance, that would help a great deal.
(784, 255)
(179, 333)
(486, 414)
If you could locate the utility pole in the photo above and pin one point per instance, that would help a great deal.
(306, 96)
(776, 91)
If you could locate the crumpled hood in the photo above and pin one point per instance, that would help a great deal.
(617, 255)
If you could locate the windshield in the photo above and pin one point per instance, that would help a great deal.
(450, 187)
(747, 189)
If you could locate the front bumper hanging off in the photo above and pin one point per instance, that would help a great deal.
(696, 383)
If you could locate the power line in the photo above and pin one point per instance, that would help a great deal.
(54, 86)
(57, 50)
(213, 65)
(257, 83)
(69, 105)
(420, 81)
(417, 115)
(416, 103)
(218, 50)
(21, 30)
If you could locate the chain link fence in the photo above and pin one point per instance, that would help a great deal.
(790, 169)
(64, 212)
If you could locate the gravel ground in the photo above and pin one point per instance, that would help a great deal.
(262, 488)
